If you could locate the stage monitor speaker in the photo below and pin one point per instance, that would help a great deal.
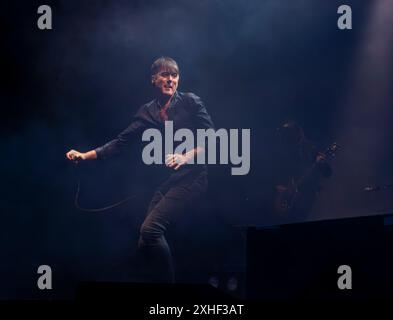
(301, 261)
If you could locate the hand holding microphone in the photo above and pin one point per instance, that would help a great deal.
(75, 156)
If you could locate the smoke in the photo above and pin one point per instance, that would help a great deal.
(253, 63)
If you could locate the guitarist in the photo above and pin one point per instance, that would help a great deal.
(300, 168)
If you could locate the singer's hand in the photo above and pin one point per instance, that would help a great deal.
(176, 160)
(75, 156)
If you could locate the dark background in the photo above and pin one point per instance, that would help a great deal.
(254, 63)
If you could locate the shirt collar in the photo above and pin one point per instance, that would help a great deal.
(173, 100)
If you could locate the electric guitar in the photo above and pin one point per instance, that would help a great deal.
(287, 196)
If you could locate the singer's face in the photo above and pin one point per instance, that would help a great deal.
(166, 81)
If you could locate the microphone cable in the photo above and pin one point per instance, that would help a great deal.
(100, 209)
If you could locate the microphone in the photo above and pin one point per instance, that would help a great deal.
(378, 188)
(76, 159)
(371, 188)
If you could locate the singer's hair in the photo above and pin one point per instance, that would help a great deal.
(164, 63)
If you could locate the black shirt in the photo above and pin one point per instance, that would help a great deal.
(186, 110)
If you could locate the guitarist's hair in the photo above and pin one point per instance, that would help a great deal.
(292, 128)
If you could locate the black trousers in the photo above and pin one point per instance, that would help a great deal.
(171, 201)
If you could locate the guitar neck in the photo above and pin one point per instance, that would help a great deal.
(328, 152)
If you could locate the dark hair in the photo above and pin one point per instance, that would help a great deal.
(164, 63)
(291, 131)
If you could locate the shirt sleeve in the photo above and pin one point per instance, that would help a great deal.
(203, 119)
(124, 139)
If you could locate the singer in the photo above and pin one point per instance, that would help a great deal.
(185, 182)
